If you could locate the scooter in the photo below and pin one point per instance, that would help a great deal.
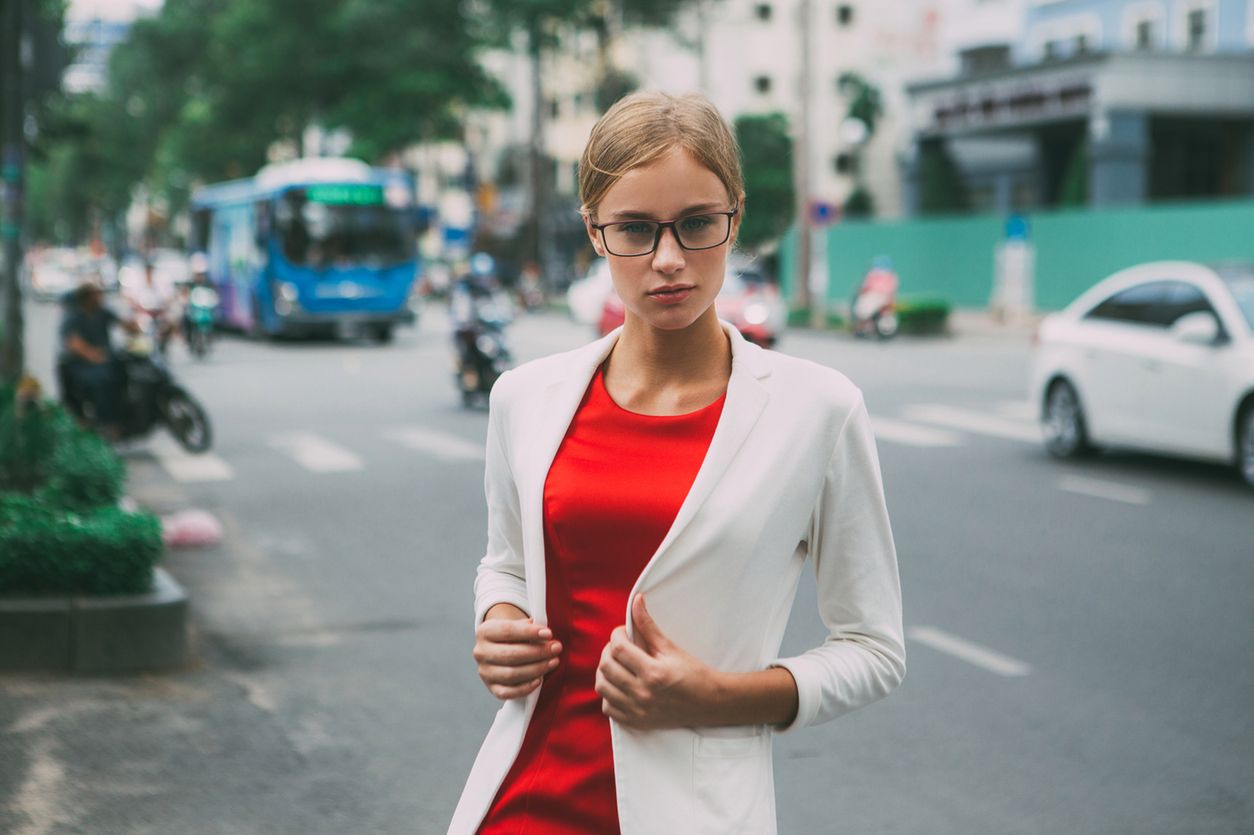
(873, 309)
(483, 353)
(198, 319)
(148, 397)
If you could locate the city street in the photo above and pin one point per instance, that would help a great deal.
(1078, 634)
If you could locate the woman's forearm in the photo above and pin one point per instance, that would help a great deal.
(765, 697)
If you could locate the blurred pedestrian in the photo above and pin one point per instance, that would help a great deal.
(652, 498)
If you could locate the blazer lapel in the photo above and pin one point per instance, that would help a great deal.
(549, 416)
(746, 398)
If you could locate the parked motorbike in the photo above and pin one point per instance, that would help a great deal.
(198, 319)
(148, 397)
(873, 310)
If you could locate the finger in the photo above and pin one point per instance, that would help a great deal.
(513, 655)
(648, 634)
(617, 715)
(511, 630)
(514, 676)
(615, 697)
(507, 693)
(635, 659)
(622, 679)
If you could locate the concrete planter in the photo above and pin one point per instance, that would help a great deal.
(117, 634)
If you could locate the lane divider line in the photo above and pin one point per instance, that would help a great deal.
(187, 468)
(316, 453)
(439, 444)
(1111, 490)
(983, 657)
(977, 422)
(912, 434)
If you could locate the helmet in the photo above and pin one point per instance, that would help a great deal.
(198, 263)
(482, 265)
(881, 262)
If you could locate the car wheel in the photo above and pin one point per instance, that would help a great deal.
(1065, 432)
(1245, 446)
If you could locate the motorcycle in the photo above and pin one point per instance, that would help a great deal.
(198, 319)
(148, 397)
(874, 305)
(483, 353)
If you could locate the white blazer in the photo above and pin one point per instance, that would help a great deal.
(791, 472)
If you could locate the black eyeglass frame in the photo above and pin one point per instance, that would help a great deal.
(669, 224)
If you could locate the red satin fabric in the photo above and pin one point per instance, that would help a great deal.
(611, 495)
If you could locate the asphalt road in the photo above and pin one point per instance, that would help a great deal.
(1077, 634)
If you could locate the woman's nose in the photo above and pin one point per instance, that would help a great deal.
(669, 255)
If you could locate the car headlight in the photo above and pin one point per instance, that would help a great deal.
(756, 313)
(287, 291)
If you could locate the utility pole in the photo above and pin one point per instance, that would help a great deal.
(12, 140)
(801, 169)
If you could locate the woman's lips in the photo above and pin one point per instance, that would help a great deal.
(671, 295)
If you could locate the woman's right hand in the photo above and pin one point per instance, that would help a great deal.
(513, 653)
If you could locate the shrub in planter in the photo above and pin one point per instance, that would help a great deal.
(799, 317)
(45, 549)
(923, 316)
(29, 431)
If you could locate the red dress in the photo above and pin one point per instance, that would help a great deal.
(611, 495)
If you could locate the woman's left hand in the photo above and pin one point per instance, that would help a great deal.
(652, 683)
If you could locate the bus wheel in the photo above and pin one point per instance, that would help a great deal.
(381, 334)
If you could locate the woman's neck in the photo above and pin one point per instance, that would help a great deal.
(669, 372)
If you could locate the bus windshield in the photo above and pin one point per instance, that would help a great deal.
(342, 226)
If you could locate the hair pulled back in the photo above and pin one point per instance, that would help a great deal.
(642, 128)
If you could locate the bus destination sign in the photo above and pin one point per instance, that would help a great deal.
(345, 194)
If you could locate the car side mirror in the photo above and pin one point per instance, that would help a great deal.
(1198, 328)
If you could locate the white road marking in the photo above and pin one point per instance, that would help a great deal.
(316, 453)
(977, 422)
(1111, 490)
(1018, 410)
(187, 468)
(439, 444)
(994, 662)
(900, 432)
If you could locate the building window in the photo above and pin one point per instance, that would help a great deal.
(762, 84)
(1145, 34)
(1197, 30)
(1051, 51)
(1081, 44)
(844, 15)
(845, 163)
(762, 11)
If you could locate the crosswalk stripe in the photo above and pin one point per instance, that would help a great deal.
(977, 422)
(901, 432)
(439, 444)
(187, 468)
(1112, 490)
(316, 453)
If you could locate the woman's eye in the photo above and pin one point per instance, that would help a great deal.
(696, 223)
(636, 228)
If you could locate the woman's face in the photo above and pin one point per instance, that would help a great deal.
(672, 287)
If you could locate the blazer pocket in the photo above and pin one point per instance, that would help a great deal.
(732, 781)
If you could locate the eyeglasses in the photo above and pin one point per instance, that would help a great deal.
(630, 238)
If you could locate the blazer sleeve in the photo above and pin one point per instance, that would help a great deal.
(859, 593)
(501, 577)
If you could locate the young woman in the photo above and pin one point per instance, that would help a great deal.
(652, 498)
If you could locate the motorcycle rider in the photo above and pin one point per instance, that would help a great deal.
(477, 289)
(90, 367)
(156, 299)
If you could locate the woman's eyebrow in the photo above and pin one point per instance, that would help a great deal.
(630, 214)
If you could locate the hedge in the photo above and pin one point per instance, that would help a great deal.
(61, 530)
(922, 316)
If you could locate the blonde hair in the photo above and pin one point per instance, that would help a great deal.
(644, 127)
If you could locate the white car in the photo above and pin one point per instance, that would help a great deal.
(1157, 357)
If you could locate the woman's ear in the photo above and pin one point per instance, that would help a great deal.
(593, 236)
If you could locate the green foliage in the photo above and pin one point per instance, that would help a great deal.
(61, 531)
(922, 316)
(860, 204)
(800, 317)
(865, 102)
(46, 549)
(942, 188)
(766, 156)
(1075, 182)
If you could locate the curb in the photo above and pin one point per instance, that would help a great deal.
(81, 634)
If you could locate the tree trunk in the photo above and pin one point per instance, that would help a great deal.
(12, 349)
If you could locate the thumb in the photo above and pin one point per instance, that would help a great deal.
(648, 634)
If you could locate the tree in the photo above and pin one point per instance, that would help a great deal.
(766, 157)
(942, 188)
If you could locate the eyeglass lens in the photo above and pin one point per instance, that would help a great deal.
(637, 237)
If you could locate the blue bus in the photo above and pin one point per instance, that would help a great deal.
(310, 245)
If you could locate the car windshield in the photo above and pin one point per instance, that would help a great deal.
(1241, 283)
(326, 232)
